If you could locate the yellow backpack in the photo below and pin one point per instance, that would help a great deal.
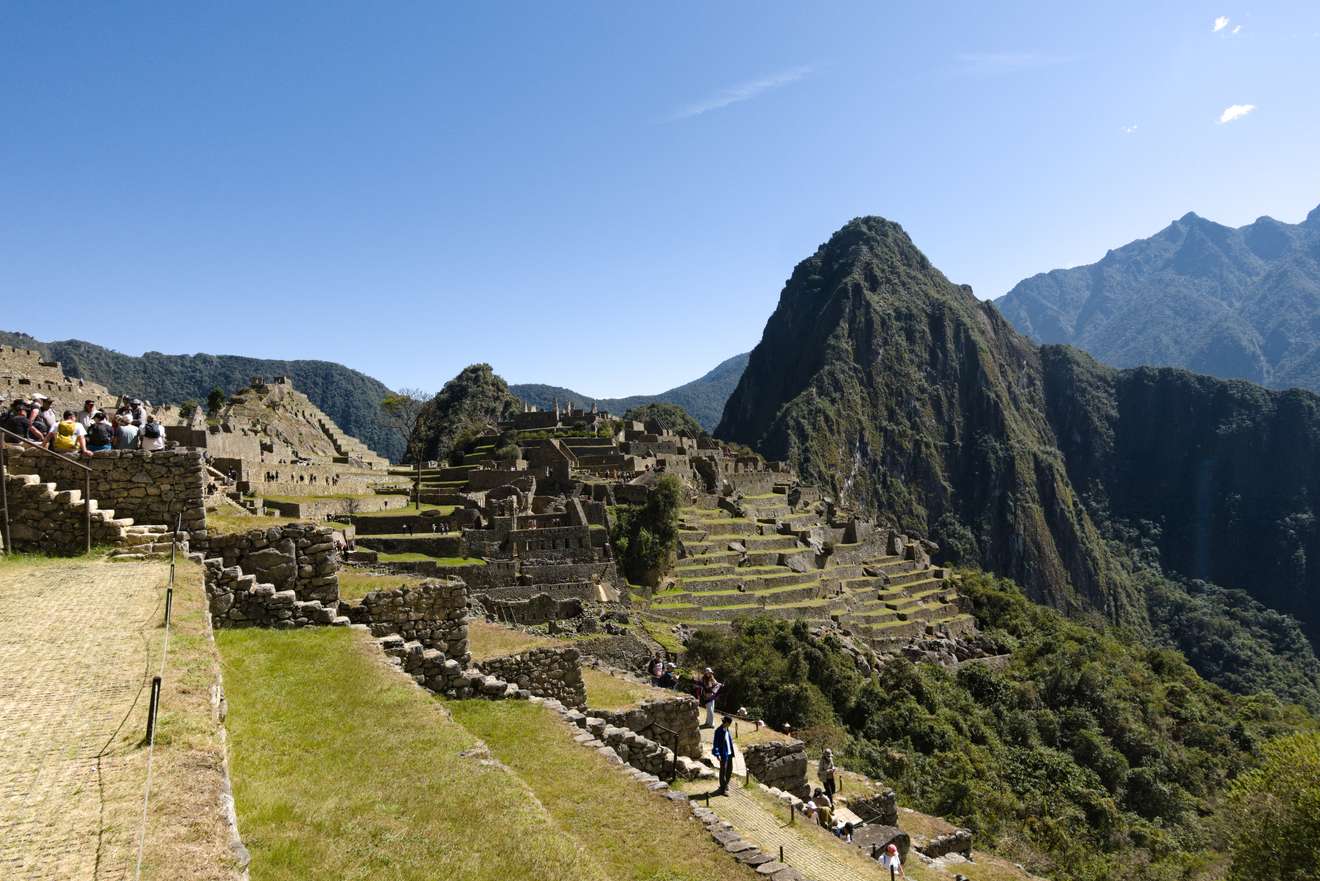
(66, 440)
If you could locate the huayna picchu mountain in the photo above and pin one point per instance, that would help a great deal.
(878, 377)
(1234, 303)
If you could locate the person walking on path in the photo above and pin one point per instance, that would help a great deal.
(722, 748)
(825, 770)
(891, 862)
(707, 690)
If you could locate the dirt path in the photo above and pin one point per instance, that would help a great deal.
(73, 657)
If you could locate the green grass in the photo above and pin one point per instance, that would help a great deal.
(445, 511)
(413, 557)
(354, 584)
(410, 536)
(632, 833)
(606, 692)
(344, 769)
(663, 633)
(488, 640)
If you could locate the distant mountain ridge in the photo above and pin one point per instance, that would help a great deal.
(702, 398)
(1234, 303)
(352, 399)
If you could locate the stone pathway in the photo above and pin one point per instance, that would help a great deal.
(820, 857)
(73, 654)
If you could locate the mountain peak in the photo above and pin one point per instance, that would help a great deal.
(1189, 218)
(1313, 219)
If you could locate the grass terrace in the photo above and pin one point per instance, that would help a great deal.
(608, 692)
(443, 510)
(489, 640)
(413, 557)
(342, 768)
(354, 583)
(630, 833)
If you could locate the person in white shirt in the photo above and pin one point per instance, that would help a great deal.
(85, 417)
(891, 862)
(152, 435)
(46, 418)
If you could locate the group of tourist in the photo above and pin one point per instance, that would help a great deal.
(664, 674)
(36, 421)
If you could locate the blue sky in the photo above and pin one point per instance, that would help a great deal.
(608, 196)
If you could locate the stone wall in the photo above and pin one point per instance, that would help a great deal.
(780, 764)
(877, 807)
(957, 841)
(239, 600)
(539, 609)
(40, 520)
(150, 487)
(432, 613)
(298, 557)
(545, 672)
(678, 714)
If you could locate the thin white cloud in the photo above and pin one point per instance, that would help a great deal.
(1237, 28)
(741, 92)
(1129, 129)
(993, 63)
(1221, 23)
(1235, 111)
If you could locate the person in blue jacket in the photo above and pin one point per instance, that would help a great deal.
(722, 748)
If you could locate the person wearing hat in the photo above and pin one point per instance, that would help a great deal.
(707, 690)
(890, 861)
(45, 418)
(722, 749)
(126, 433)
(139, 414)
(101, 434)
(18, 422)
(668, 678)
(825, 771)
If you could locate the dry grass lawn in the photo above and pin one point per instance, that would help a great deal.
(609, 692)
(354, 583)
(489, 640)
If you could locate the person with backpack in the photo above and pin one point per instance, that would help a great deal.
(100, 435)
(17, 423)
(153, 435)
(44, 418)
(706, 691)
(722, 749)
(68, 436)
(825, 770)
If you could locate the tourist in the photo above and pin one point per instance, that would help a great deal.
(722, 749)
(126, 433)
(101, 434)
(17, 422)
(139, 415)
(824, 808)
(825, 770)
(45, 419)
(707, 690)
(845, 831)
(891, 862)
(153, 435)
(669, 678)
(655, 669)
(68, 436)
(88, 414)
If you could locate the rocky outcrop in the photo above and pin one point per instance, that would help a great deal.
(780, 764)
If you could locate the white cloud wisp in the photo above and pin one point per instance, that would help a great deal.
(741, 92)
(1235, 111)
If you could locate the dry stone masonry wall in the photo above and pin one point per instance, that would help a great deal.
(239, 600)
(297, 557)
(432, 614)
(150, 487)
(545, 672)
(678, 714)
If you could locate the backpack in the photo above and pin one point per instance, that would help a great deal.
(151, 430)
(101, 434)
(66, 437)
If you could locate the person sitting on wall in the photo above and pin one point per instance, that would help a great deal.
(68, 436)
(668, 679)
(45, 418)
(137, 412)
(126, 433)
(101, 434)
(153, 435)
(18, 422)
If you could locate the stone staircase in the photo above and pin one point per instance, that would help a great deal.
(46, 518)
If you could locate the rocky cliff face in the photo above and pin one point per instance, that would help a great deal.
(882, 380)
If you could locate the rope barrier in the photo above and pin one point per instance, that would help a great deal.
(151, 718)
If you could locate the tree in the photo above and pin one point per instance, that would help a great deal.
(399, 410)
(1276, 807)
(668, 416)
(646, 537)
(215, 400)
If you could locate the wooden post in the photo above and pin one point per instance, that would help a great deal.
(87, 507)
(4, 499)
